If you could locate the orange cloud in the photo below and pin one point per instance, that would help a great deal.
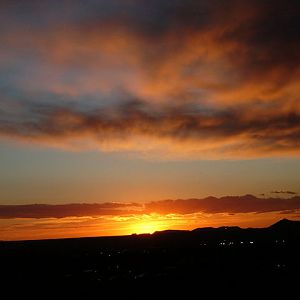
(205, 79)
(237, 132)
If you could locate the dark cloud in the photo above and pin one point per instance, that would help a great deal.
(266, 34)
(284, 192)
(288, 212)
(228, 204)
(211, 205)
(266, 133)
(65, 210)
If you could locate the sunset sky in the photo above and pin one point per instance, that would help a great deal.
(131, 116)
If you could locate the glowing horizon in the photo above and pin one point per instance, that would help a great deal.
(41, 221)
(19, 229)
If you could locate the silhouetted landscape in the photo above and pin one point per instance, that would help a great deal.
(168, 264)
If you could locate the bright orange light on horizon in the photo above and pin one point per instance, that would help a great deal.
(148, 224)
(74, 227)
(145, 227)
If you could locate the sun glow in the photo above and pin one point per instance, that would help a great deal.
(145, 228)
(147, 225)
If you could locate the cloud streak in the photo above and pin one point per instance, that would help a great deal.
(39, 211)
(227, 204)
(222, 132)
(209, 205)
(284, 192)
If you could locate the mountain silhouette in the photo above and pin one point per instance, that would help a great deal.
(282, 225)
(218, 229)
(286, 224)
(281, 230)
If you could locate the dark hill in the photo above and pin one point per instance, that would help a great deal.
(286, 224)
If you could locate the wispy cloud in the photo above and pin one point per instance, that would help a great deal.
(284, 192)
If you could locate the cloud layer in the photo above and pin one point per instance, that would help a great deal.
(201, 78)
(209, 205)
(39, 211)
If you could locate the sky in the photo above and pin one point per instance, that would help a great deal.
(129, 103)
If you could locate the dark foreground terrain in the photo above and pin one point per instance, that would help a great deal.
(198, 264)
